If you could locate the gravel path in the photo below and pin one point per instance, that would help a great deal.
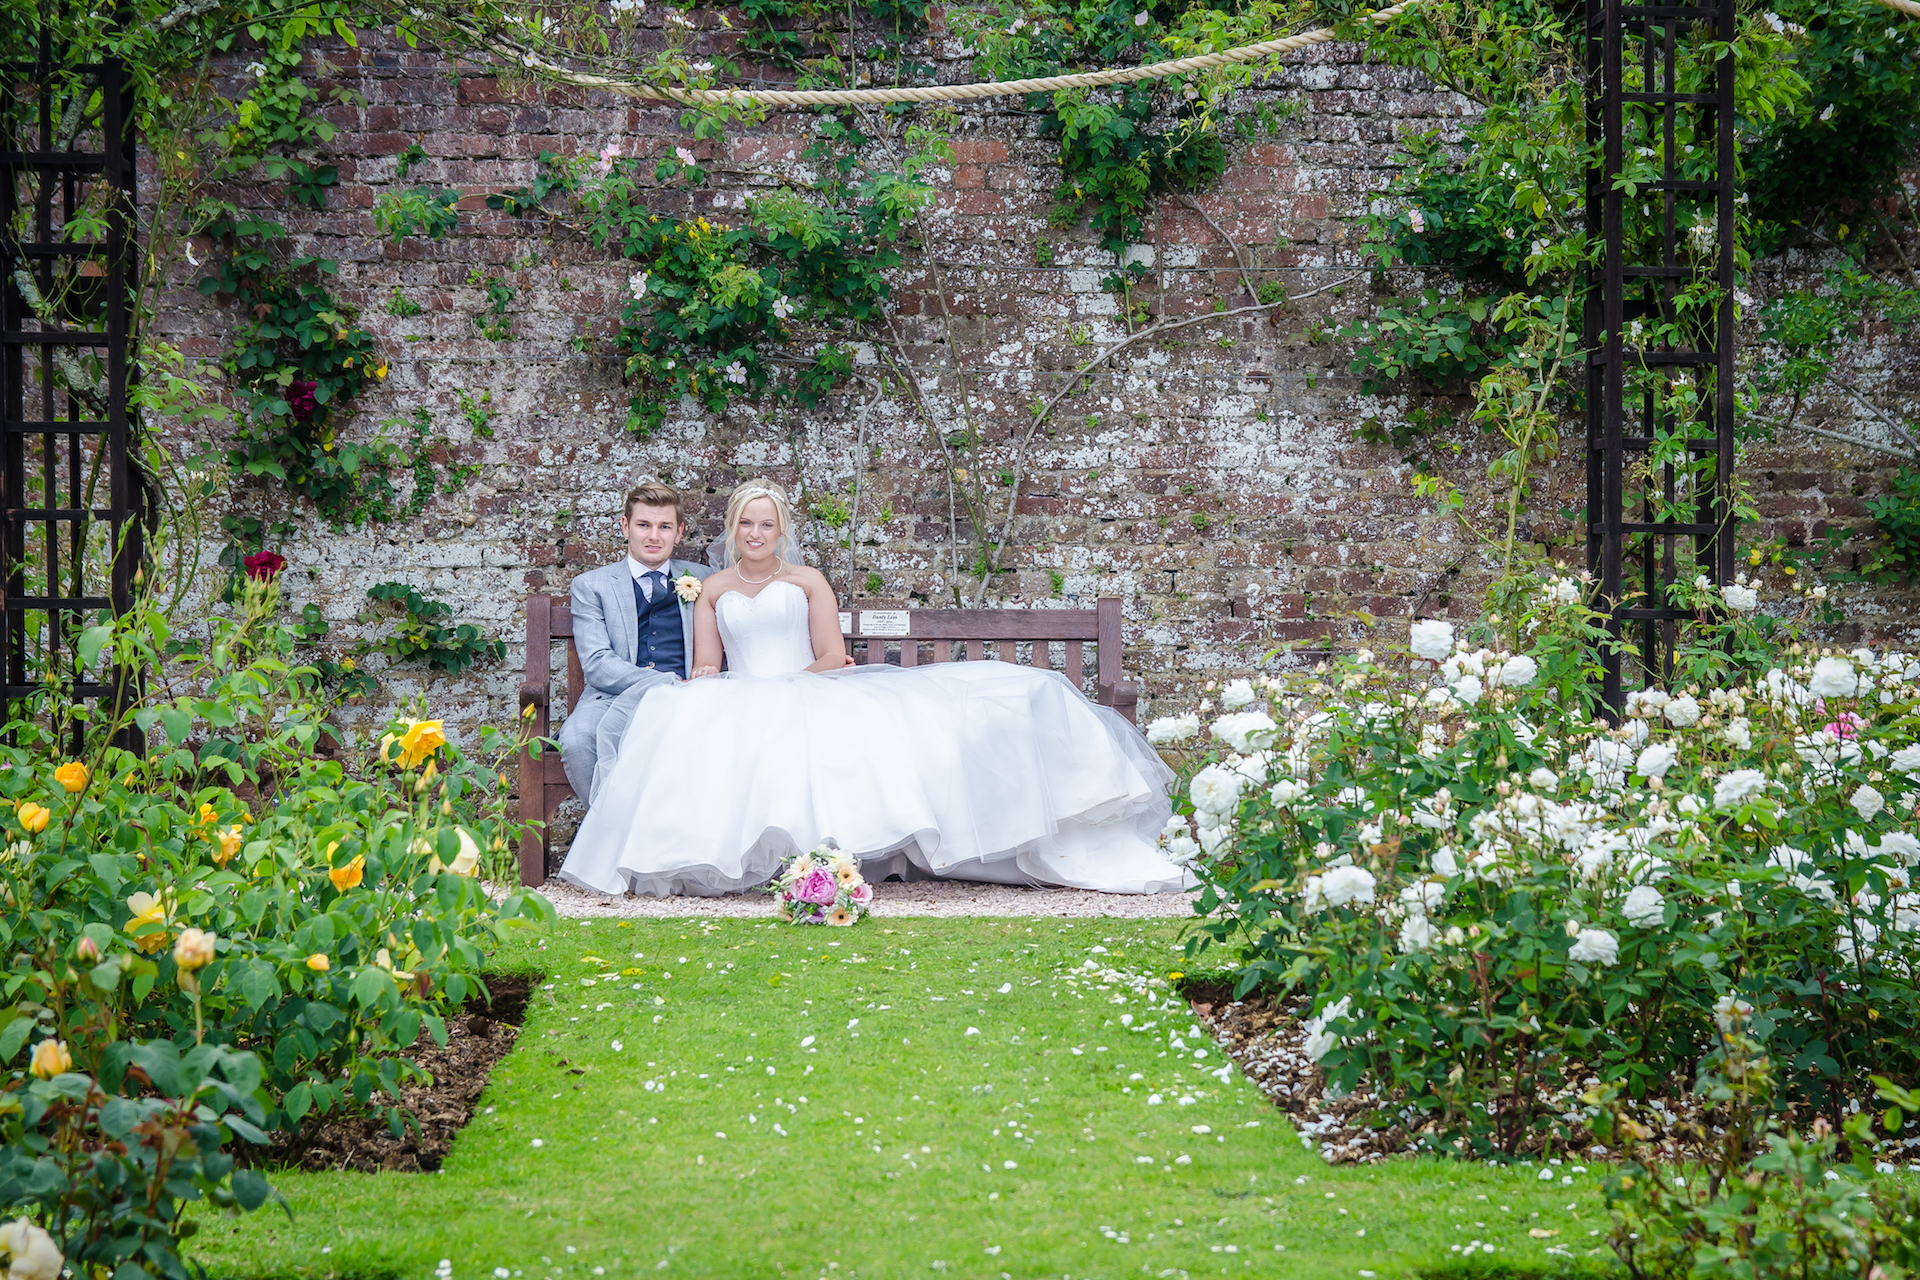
(890, 898)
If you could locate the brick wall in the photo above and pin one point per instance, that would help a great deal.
(1213, 480)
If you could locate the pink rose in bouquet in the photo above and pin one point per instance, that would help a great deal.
(817, 886)
(863, 893)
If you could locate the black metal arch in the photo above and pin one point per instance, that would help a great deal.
(71, 540)
(1634, 509)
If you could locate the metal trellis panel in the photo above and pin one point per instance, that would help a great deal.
(71, 540)
(1650, 359)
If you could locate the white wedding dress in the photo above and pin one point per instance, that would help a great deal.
(972, 770)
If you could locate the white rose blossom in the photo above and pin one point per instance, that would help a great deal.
(1738, 786)
(31, 1252)
(1171, 729)
(1432, 640)
(1740, 599)
(1900, 845)
(1729, 1011)
(1833, 678)
(1422, 897)
(1320, 1041)
(1595, 946)
(1237, 694)
(1517, 672)
(1867, 802)
(1683, 712)
(1655, 761)
(1416, 934)
(1907, 760)
(1216, 789)
(1246, 731)
(1343, 886)
(1643, 907)
(1285, 792)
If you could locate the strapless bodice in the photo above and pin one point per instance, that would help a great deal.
(765, 635)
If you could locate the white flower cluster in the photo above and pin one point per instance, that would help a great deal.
(1320, 1041)
(1617, 834)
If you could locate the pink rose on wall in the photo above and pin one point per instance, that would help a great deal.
(817, 886)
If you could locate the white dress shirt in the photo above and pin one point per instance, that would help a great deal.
(640, 572)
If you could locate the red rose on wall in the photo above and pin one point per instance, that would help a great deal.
(265, 565)
(300, 400)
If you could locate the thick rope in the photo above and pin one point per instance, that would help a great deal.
(954, 92)
(990, 89)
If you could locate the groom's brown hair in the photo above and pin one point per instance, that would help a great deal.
(656, 495)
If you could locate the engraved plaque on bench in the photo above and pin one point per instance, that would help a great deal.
(846, 623)
(885, 622)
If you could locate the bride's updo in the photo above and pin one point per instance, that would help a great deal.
(786, 546)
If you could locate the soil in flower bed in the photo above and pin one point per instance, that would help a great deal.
(1265, 1036)
(477, 1038)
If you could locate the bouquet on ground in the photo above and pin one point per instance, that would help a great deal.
(822, 887)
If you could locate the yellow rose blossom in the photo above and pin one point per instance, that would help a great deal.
(195, 949)
(421, 739)
(384, 959)
(345, 878)
(149, 909)
(227, 843)
(464, 863)
(50, 1058)
(319, 963)
(208, 815)
(35, 817)
(73, 776)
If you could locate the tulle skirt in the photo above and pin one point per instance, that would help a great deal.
(969, 770)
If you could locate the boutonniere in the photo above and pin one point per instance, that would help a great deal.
(687, 587)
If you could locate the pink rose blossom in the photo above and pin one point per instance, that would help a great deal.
(1847, 726)
(817, 886)
(863, 894)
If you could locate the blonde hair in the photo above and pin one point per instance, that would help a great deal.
(784, 545)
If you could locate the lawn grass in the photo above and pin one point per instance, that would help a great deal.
(970, 1110)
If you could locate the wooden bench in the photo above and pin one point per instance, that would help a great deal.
(907, 638)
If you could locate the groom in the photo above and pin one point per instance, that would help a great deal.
(632, 628)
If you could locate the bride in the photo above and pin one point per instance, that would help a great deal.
(977, 770)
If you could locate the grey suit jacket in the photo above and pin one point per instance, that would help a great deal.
(606, 636)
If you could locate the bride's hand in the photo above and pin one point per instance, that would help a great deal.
(704, 671)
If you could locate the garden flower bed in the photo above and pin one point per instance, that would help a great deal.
(1524, 926)
(435, 1106)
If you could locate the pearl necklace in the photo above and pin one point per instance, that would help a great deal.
(780, 565)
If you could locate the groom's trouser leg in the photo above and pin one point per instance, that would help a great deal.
(577, 742)
(611, 717)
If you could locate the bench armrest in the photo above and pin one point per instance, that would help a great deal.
(1122, 695)
(534, 695)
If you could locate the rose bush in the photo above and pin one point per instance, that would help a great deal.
(1497, 899)
(248, 921)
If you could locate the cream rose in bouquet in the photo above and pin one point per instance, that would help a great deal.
(822, 887)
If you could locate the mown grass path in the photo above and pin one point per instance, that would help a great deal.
(912, 1097)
